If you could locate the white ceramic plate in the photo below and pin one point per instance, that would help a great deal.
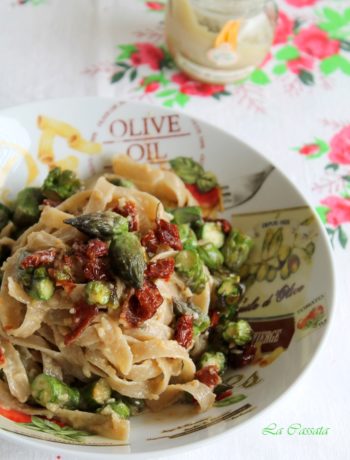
(288, 303)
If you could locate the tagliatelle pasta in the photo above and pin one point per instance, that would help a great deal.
(108, 293)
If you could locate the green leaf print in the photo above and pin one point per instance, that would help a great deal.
(133, 75)
(231, 400)
(322, 211)
(259, 77)
(306, 77)
(287, 53)
(344, 45)
(333, 63)
(182, 99)
(117, 76)
(127, 51)
(156, 77)
(279, 69)
(167, 92)
(335, 23)
(332, 167)
(66, 432)
(342, 237)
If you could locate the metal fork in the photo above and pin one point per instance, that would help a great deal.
(243, 188)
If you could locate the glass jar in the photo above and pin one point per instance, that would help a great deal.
(219, 41)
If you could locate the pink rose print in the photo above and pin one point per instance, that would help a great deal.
(284, 28)
(339, 210)
(301, 3)
(300, 63)
(309, 149)
(316, 42)
(156, 6)
(340, 147)
(195, 88)
(147, 54)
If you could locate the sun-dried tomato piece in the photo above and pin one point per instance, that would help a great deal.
(96, 248)
(83, 316)
(90, 257)
(143, 304)
(208, 199)
(214, 318)
(168, 234)
(96, 269)
(150, 242)
(184, 330)
(39, 258)
(129, 210)
(162, 268)
(209, 376)
(2, 357)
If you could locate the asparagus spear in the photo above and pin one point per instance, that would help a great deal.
(27, 210)
(127, 259)
(104, 225)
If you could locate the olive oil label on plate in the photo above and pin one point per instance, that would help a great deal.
(285, 249)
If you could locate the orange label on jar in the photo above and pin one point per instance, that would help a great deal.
(224, 51)
(228, 34)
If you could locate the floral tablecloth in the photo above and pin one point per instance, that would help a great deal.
(295, 109)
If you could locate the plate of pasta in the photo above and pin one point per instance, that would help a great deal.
(158, 276)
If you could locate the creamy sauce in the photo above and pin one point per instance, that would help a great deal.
(200, 46)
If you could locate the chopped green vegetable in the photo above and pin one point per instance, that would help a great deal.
(212, 233)
(207, 182)
(201, 325)
(187, 169)
(120, 182)
(190, 267)
(95, 394)
(236, 249)
(230, 292)
(60, 185)
(104, 225)
(119, 408)
(41, 287)
(97, 293)
(5, 216)
(27, 210)
(127, 259)
(217, 359)
(238, 332)
(211, 256)
(187, 236)
(47, 390)
(187, 215)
